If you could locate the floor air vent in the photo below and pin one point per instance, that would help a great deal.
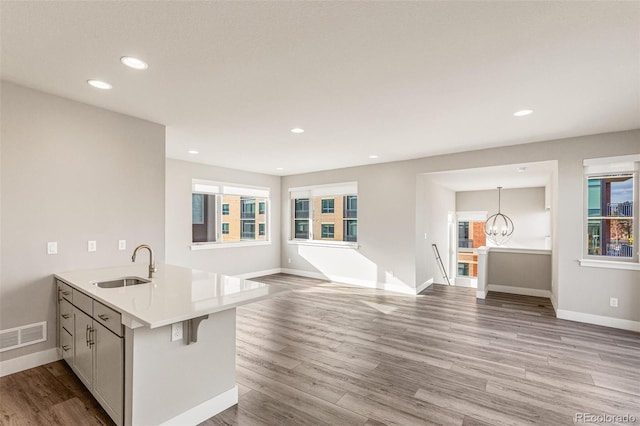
(22, 336)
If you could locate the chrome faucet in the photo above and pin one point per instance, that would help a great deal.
(152, 265)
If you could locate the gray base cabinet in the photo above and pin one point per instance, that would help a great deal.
(91, 342)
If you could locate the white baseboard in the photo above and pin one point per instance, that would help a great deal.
(598, 320)
(396, 288)
(481, 294)
(250, 275)
(207, 409)
(424, 285)
(554, 302)
(25, 362)
(519, 290)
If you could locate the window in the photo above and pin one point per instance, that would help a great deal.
(611, 213)
(328, 230)
(463, 269)
(212, 201)
(610, 216)
(328, 206)
(327, 213)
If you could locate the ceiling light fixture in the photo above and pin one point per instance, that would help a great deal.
(523, 112)
(99, 84)
(373, 156)
(193, 151)
(522, 169)
(279, 168)
(499, 227)
(297, 130)
(135, 63)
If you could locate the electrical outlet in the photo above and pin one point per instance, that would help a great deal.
(613, 302)
(92, 246)
(176, 331)
(52, 247)
(289, 260)
(122, 244)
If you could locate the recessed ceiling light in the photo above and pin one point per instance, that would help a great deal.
(279, 168)
(523, 112)
(297, 130)
(99, 84)
(373, 156)
(134, 63)
(193, 151)
(521, 169)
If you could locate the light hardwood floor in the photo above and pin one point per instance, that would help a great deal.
(330, 354)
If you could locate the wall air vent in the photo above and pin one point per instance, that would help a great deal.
(18, 337)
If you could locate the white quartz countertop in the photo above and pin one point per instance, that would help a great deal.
(174, 294)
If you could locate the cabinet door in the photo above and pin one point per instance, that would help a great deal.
(83, 349)
(109, 371)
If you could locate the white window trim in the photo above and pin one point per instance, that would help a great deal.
(202, 186)
(328, 190)
(611, 165)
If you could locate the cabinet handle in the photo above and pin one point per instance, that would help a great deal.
(66, 293)
(86, 334)
(66, 347)
(59, 291)
(65, 316)
(91, 336)
(103, 317)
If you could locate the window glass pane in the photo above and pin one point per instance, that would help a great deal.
(351, 230)
(301, 208)
(301, 229)
(248, 229)
(610, 226)
(225, 209)
(261, 207)
(328, 230)
(351, 206)
(203, 218)
(225, 228)
(261, 229)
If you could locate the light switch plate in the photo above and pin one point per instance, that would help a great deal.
(613, 302)
(52, 247)
(91, 246)
(122, 244)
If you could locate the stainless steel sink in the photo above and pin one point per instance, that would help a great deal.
(121, 282)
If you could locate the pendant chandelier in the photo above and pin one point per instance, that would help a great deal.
(499, 227)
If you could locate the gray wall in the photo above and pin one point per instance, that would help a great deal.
(71, 173)
(227, 260)
(390, 228)
(524, 270)
(525, 206)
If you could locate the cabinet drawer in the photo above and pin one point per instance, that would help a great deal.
(64, 291)
(107, 317)
(82, 302)
(66, 316)
(66, 343)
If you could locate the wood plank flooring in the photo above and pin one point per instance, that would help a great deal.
(331, 354)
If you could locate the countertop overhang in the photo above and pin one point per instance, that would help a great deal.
(174, 294)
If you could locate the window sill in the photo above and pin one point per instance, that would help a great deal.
(610, 264)
(334, 244)
(211, 246)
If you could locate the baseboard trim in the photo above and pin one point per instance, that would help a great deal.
(554, 303)
(396, 288)
(519, 290)
(25, 362)
(422, 287)
(250, 275)
(598, 320)
(481, 294)
(207, 409)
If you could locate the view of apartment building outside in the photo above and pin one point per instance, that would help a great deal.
(610, 216)
(243, 218)
(332, 218)
(471, 236)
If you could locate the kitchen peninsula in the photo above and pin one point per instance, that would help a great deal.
(157, 352)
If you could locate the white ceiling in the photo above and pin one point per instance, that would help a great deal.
(525, 175)
(397, 79)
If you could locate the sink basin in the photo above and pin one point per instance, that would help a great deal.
(121, 282)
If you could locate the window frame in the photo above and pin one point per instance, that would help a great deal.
(603, 168)
(310, 193)
(221, 189)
